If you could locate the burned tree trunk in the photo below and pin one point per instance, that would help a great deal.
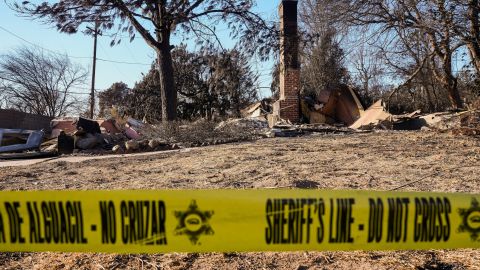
(167, 83)
(473, 39)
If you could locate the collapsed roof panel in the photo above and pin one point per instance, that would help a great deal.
(341, 105)
(375, 114)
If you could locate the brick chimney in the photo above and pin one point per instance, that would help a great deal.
(288, 106)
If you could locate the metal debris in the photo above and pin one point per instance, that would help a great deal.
(33, 142)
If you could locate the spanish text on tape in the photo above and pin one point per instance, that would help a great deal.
(236, 220)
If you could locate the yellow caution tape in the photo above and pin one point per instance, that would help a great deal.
(236, 220)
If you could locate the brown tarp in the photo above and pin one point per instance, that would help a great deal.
(343, 105)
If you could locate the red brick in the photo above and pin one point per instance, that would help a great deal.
(289, 103)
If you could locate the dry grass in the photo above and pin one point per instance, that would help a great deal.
(375, 161)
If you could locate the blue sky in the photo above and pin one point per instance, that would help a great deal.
(80, 47)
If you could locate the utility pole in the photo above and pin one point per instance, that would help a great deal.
(92, 93)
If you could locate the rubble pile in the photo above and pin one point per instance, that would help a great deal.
(331, 106)
(103, 136)
(461, 123)
(21, 144)
(283, 128)
(458, 123)
(377, 117)
(82, 135)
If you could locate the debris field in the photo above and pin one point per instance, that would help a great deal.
(380, 160)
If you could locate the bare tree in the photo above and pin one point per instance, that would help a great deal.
(409, 57)
(322, 56)
(38, 82)
(368, 65)
(467, 27)
(3, 96)
(155, 22)
(433, 19)
(323, 66)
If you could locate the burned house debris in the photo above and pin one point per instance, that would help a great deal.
(340, 105)
(258, 109)
(288, 105)
(337, 110)
(20, 132)
(333, 106)
(33, 142)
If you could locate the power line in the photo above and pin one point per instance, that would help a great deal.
(74, 87)
(36, 45)
(70, 56)
(116, 67)
(80, 57)
(68, 92)
(129, 51)
(122, 62)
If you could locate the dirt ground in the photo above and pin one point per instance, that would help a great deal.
(373, 161)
